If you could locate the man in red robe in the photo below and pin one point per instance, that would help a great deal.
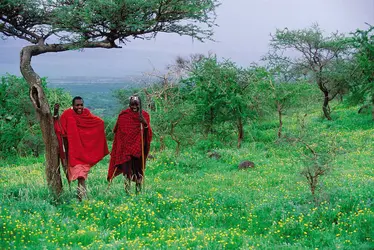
(82, 141)
(132, 139)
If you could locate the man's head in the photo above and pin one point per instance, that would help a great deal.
(135, 103)
(78, 104)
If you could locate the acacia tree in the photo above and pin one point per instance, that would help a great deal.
(61, 25)
(309, 52)
(223, 94)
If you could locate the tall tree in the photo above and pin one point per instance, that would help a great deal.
(309, 52)
(362, 82)
(61, 25)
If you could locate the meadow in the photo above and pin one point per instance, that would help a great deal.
(191, 201)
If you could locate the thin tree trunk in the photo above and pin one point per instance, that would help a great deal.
(208, 125)
(240, 132)
(44, 116)
(175, 138)
(372, 106)
(211, 120)
(325, 107)
(326, 99)
(162, 143)
(279, 109)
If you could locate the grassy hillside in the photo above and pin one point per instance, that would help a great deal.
(196, 202)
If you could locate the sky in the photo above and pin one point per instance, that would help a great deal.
(242, 35)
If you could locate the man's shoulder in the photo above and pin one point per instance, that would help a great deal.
(67, 112)
(124, 112)
(145, 113)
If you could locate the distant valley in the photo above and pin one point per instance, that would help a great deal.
(97, 92)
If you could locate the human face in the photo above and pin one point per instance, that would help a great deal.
(78, 106)
(134, 106)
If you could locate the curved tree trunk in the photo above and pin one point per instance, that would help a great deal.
(41, 106)
(325, 107)
(326, 98)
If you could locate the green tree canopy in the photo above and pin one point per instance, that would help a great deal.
(100, 23)
(310, 53)
(362, 82)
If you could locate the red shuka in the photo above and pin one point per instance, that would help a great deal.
(127, 140)
(86, 137)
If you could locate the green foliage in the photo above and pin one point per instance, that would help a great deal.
(83, 24)
(362, 82)
(224, 93)
(57, 95)
(213, 84)
(171, 115)
(20, 132)
(294, 96)
(16, 113)
(209, 144)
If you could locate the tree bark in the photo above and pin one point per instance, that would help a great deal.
(325, 91)
(209, 123)
(44, 116)
(325, 107)
(240, 131)
(279, 109)
(162, 143)
(372, 106)
(175, 138)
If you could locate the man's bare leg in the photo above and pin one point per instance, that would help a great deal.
(81, 191)
(127, 185)
(138, 188)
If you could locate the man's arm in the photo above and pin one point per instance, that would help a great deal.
(146, 121)
(55, 111)
(143, 120)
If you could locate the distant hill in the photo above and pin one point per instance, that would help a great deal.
(135, 79)
(97, 91)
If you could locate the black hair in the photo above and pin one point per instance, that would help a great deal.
(76, 98)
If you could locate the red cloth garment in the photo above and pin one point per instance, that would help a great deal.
(85, 134)
(127, 140)
(78, 171)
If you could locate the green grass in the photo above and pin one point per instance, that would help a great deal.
(193, 202)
